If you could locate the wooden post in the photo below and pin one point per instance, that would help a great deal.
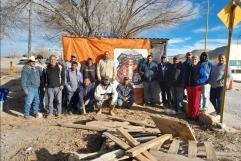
(227, 58)
(206, 32)
(11, 72)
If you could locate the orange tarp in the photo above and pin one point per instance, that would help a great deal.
(94, 47)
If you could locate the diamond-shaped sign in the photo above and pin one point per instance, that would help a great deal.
(225, 15)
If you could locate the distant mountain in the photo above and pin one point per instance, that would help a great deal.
(213, 54)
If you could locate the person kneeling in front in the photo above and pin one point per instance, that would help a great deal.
(125, 92)
(105, 95)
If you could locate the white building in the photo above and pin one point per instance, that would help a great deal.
(235, 61)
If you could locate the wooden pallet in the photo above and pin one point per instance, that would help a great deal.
(191, 150)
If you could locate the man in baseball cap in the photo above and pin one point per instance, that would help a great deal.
(106, 95)
(125, 92)
(73, 58)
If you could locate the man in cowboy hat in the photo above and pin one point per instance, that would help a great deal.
(30, 82)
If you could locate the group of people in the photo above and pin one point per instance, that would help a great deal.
(197, 77)
(89, 86)
(86, 86)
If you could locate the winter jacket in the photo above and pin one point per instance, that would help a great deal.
(217, 75)
(185, 66)
(163, 71)
(54, 76)
(69, 79)
(89, 71)
(87, 92)
(208, 68)
(125, 91)
(196, 76)
(101, 90)
(106, 68)
(41, 68)
(149, 72)
(30, 77)
(175, 76)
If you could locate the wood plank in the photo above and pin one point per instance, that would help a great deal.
(145, 146)
(172, 157)
(110, 156)
(78, 126)
(118, 141)
(124, 146)
(112, 124)
(174, 146)
(174, 126)
(192, 149)
(135, 122)
(145, 139)
(74, 156)
(211, 155)
(134, 143)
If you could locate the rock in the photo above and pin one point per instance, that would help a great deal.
(207, 119)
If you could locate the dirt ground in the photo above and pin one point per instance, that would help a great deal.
(43, 140)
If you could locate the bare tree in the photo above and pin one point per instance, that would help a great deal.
(13, 16)
(124, 18)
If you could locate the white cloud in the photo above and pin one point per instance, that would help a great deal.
(179, 40)
(198, 30)
(213, 29)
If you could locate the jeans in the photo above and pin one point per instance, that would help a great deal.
(151, 94)
(205, 95)
(216, 98)
(41, 99)
(177, 94)
(129, 103)
(72, 101)
(55, 93)
(31, 100)
(166, 93)
(90, 106)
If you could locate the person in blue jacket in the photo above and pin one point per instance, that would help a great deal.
(30, 82)
(185, 66)
(149, 75)
(163, 69)
(205, 87)
(195, 78)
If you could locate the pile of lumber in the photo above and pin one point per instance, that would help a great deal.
(125, 139)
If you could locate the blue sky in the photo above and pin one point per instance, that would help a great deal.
(185, 37)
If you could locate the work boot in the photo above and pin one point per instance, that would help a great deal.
(38, 115)
(99, 112)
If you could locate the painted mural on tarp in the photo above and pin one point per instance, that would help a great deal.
(127, 62)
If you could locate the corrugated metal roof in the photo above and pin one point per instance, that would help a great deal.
(161, 39)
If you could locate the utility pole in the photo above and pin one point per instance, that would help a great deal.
(206, 33)
(29, 27)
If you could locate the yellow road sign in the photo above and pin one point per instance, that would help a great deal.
(225, 15)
